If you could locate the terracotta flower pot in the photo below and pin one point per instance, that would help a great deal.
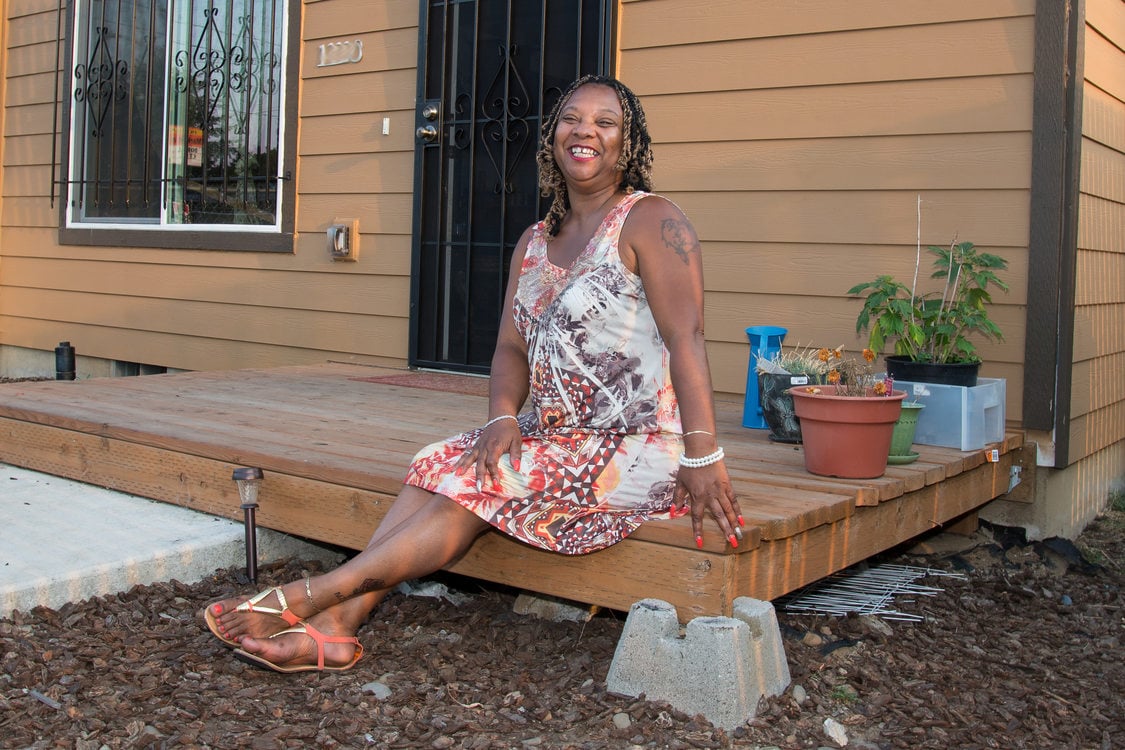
(846, 436)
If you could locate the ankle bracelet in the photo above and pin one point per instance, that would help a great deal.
(309, 597)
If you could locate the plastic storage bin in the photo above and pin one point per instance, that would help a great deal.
(956, 416)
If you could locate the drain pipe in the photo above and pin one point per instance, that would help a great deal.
(64, 361)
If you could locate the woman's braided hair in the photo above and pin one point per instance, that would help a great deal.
(636, 150)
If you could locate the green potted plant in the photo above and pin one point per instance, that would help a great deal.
(931, 331)
(846, 424)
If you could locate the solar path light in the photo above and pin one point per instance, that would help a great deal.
(248, 480)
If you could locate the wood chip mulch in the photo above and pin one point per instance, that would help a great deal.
(1024, 652)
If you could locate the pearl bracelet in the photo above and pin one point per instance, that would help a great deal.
(494, 420)
(695, 463)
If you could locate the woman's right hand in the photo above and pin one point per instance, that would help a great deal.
(494, 441)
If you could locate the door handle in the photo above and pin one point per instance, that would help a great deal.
(427, 133)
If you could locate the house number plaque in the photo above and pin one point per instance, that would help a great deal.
(340, 53)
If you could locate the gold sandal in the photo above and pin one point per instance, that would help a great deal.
(250, 605)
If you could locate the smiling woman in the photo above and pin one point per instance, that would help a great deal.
(602, 334)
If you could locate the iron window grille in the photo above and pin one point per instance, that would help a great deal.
(177, 115)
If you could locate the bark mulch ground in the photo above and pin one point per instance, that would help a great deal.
(1025, 651)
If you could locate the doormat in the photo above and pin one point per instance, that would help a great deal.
(434, 381)
(865, 590)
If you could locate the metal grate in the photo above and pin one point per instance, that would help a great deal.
(865, 591)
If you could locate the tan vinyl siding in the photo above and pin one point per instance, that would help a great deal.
(798, 137)
(1097, 412)
(213, 310)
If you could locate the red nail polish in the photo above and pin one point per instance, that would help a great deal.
(741, 522)
(699, 542)
(217, 609)
(732, 540)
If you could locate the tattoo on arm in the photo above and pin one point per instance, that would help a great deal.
(678, 236)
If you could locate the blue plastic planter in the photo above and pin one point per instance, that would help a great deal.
(765, 342)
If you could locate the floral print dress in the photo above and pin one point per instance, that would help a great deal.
(602, 438)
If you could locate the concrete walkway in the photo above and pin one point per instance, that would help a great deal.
(63, 541)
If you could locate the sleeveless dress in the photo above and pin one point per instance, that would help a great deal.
(602, 439)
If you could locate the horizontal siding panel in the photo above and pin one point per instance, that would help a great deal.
(28, 212)
(279, 326)
(1108, 17)
(936, 162)
(952, 50)
(815, 270)
(967, 105)
(361, 132)
(32, 119)
(1100, 278)
(19, 8)
(32, 59)
(341, 18)
(396, 49)
(669, 22)
(363, 92)
(26, 182)
(365, 172)
(996, 218)
(38, 88)
(169, 350)
(385, 254)
(1096, 384)
(1098, 331)
(1103, 118)
(27, 150)
(381, 214)
(831, 322)
(1103, 65)
(1095, 431)
(1102, 173)
(362, 294)
(37, 24)
(1101, 224)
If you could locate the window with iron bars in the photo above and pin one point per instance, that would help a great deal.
(177, 120)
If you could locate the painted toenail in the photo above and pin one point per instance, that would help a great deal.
(217, 609)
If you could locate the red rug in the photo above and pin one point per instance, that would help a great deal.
(434, 381)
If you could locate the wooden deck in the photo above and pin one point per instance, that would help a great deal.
(334, 442)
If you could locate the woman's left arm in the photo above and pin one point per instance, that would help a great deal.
(660, 244)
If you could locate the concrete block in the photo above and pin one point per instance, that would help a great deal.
(720, 668)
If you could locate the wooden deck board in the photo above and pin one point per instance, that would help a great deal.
(335, 441)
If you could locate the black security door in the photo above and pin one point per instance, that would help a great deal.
(489, 72)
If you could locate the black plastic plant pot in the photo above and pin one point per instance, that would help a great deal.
(951, 373)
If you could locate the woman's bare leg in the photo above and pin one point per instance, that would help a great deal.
(236, 625)
(431, 537)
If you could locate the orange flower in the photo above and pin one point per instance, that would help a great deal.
(833, 377)
(823, 355)
(881, 388)
(869, 355)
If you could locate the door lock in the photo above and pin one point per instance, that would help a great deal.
(427, 133)
(430, 112)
